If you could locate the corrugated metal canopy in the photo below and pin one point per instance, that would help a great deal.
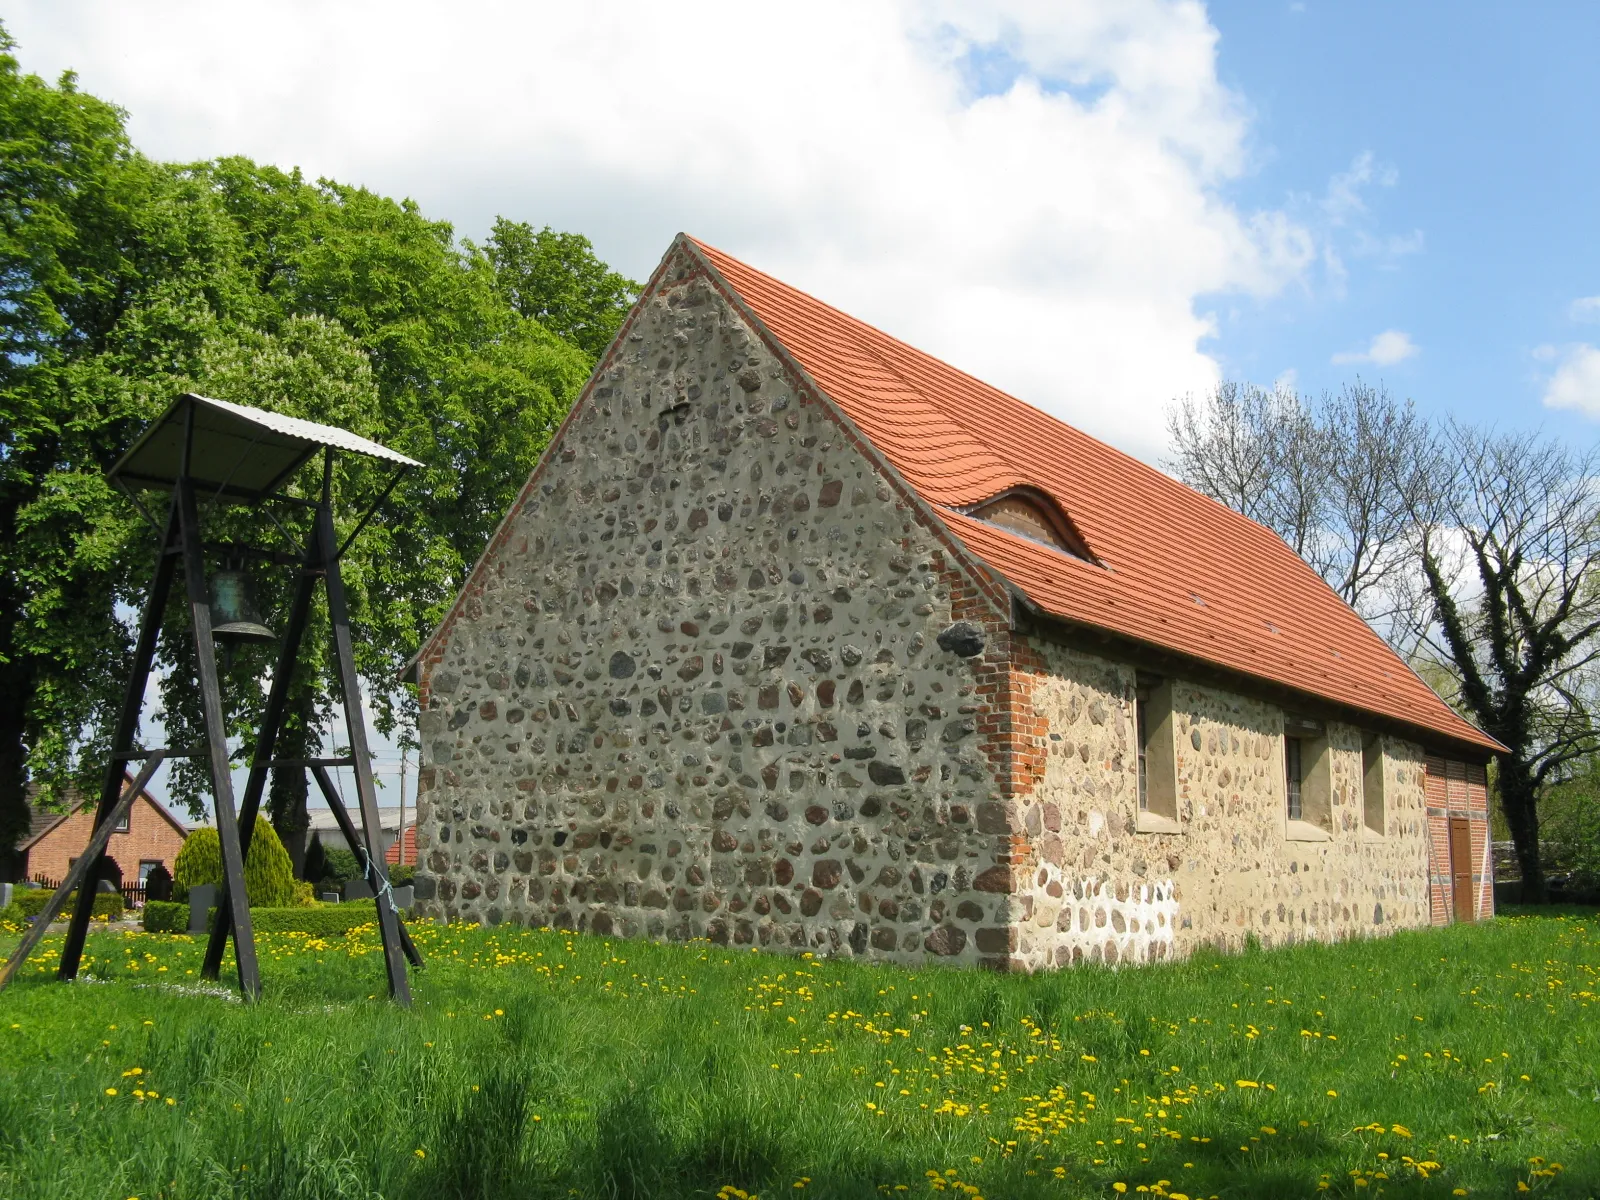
(240, 453)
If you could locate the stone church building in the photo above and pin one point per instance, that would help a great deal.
(799, 638)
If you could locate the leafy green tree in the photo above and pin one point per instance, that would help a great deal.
(67, 178)
(555, 279)
(124, 282)
(1570, 818)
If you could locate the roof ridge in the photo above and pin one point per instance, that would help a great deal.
(1186, 572)
(862, 334)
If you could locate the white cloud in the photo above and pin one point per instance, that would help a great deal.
(1389, 347)
(1287, 381)
(1387, 247)
(1052, 233)
(1576, 382)
(1585, 308)
(1344, 199)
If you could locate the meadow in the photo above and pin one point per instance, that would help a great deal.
(1449, 1062)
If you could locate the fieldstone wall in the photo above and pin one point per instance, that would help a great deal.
(721, 675)
(1098, 889)
(717, 678)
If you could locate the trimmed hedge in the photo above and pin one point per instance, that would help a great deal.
(325, 920)
(32, 901)
(322, 920)
(162, 916)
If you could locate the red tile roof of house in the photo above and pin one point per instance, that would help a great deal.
(1175, 569)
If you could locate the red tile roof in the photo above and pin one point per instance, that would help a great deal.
(1177, 570)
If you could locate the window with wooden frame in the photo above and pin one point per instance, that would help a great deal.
(1157, 757)
(1373, 811)
(122, 823)
(1307, 781)
(1293, 776)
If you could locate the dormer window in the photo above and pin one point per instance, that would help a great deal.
(1028, 512)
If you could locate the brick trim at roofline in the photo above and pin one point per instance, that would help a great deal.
(1166, 661)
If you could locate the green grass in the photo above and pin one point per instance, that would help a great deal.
(543, 1064)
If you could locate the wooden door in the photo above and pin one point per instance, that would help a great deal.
(1461, 869)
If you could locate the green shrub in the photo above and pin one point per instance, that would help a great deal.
(161, 916)
(316, 864)
(199, 860)
(268, 872)
(1569, 831)
(32, 902)
(342, 865)
(322, 920)
(12, 919)
(401, 875)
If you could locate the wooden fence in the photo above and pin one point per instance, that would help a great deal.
(133, 894)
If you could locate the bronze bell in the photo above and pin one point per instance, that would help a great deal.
(233, 610)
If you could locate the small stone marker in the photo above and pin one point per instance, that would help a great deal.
(330, 897)
(5, 894)
(404, 896)
(202, 898)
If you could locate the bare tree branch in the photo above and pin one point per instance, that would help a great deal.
(1473, 552)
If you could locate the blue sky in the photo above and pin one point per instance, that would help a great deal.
(1481, 224)
(1098, 205)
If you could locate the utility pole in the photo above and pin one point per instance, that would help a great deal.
(403, 754)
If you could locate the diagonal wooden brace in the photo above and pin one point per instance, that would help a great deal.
(80, 869)
(376, 878)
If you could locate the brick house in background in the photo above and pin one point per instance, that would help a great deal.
(798, 637)
(151, 836)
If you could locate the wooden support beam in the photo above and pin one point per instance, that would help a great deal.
(234, 901)
(127, 728)
(266, 742)
(369, 870)
(356, 725)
